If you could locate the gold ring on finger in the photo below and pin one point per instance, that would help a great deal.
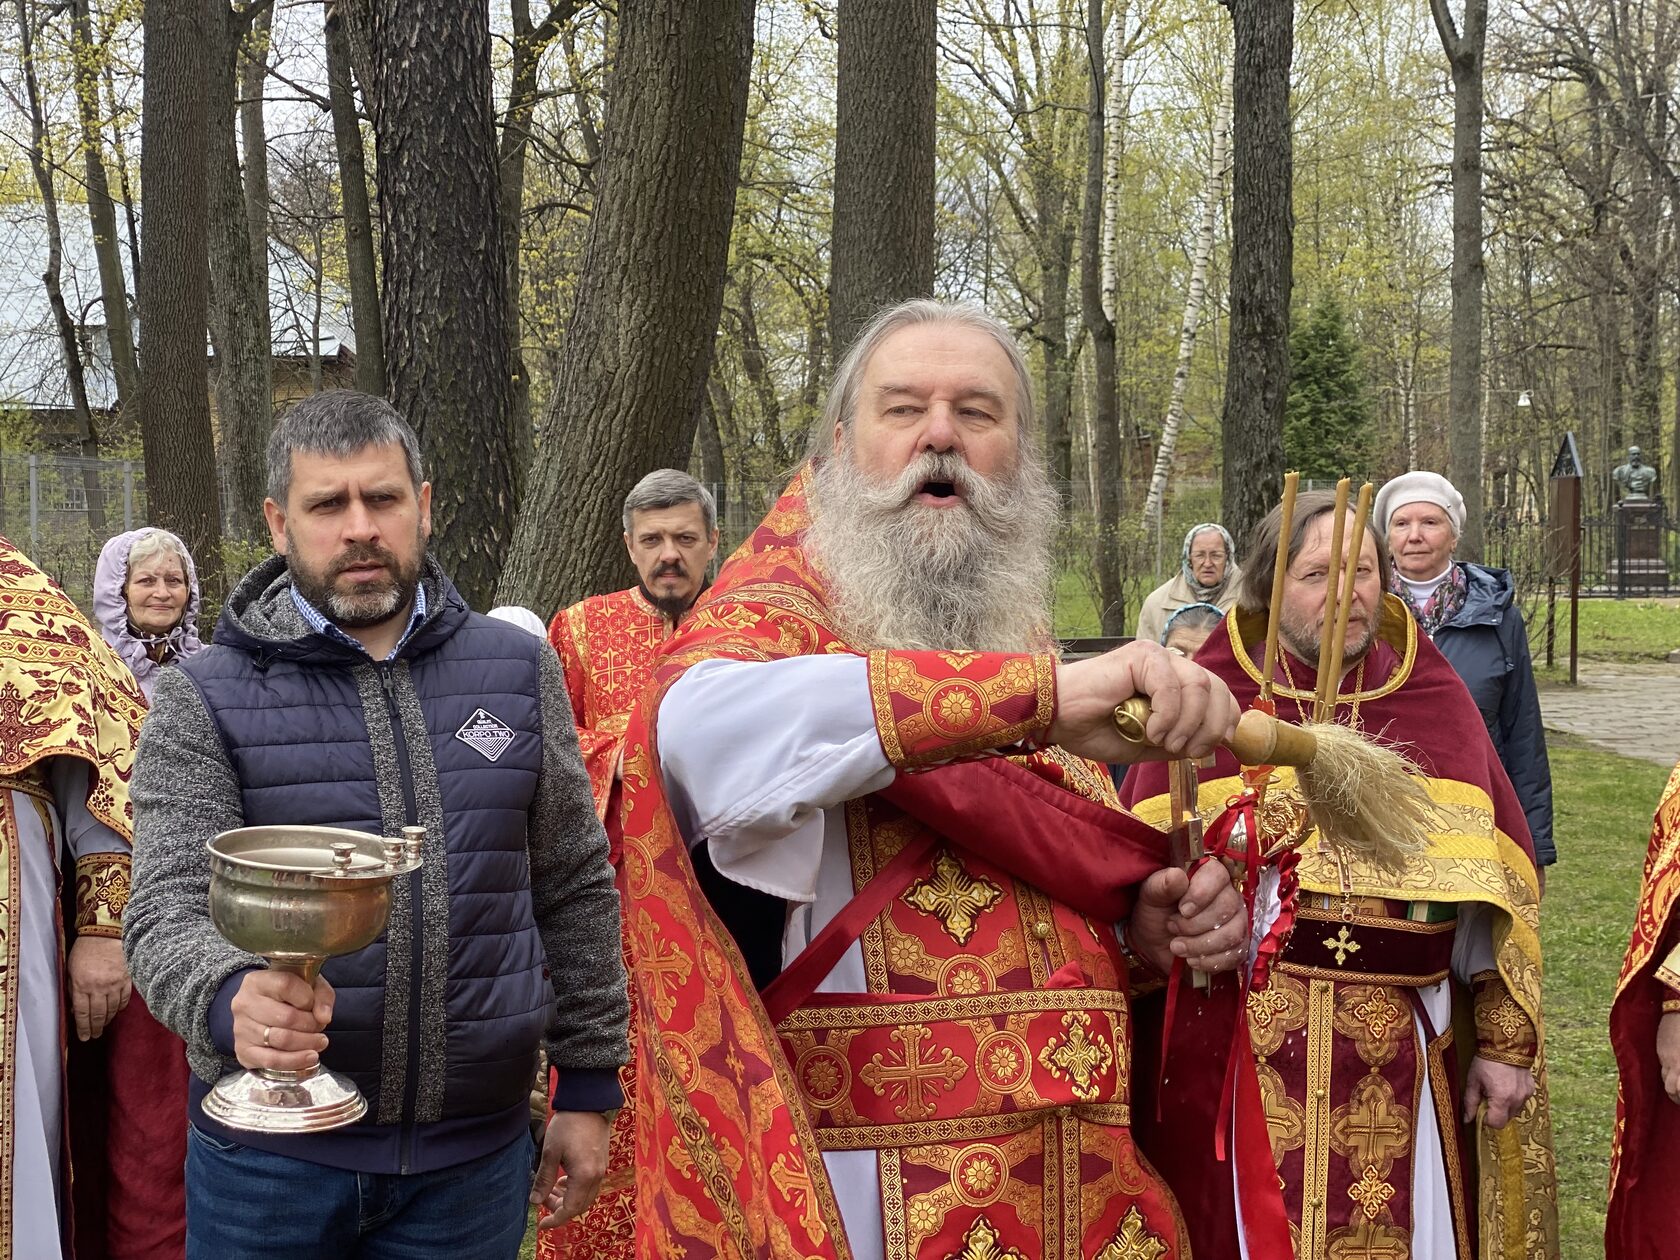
(266, 1030)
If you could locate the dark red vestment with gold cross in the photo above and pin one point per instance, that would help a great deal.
(1339, 1064)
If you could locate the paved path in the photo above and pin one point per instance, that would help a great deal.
(1632, 709)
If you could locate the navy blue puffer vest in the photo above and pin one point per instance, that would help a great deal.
(441, 1020)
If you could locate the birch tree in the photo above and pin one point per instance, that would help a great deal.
(1213, 192)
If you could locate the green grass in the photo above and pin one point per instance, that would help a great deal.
(1620, 630)
(1604, 805)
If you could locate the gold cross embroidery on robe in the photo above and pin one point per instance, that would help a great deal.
(1342, 944)
(1371, 1193)
(1079, 1056)
(1134, 1240)
(1373, 1128)
(982, 1242)
(953, 896)
(911, 1076)
(794, 1182)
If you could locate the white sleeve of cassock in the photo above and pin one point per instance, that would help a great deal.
(1473, 941)
(753, 752)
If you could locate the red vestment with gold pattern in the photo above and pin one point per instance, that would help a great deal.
(1645, 1151)
(607, 645)
(1340, 1066)
(988, 1064)
(64, 693)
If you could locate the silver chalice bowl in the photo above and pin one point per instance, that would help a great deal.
(298, 896)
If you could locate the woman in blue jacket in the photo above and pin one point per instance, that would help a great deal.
(1469, 612)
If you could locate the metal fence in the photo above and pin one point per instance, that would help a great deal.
(60, 509)
(1516, 541)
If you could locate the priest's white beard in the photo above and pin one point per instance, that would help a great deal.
(907, 576)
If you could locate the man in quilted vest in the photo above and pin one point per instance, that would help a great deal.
(349, 685)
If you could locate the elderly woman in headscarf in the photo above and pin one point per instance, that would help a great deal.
(1471, 614)
(145, 601)
(1208, 574)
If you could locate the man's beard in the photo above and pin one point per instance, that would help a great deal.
(671, 607)
(1305, 639)
(374, 602)
(908, 576)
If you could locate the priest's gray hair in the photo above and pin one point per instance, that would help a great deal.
(842, 404)
(668, 488)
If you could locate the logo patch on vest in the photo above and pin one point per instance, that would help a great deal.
(486, 734)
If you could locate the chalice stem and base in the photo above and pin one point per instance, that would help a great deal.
(270, 1100)
(298, 896)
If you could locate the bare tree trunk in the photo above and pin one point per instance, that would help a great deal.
(1105, 446)
(69, 339)
(102, 215)
(714, 470)
(757, 368)
(445, 277)
(1115, 110)
(358, 218)
(638, 348)
(1464, 56)
(1052, 335)
(253, 82)
(119, 149)
(883, 161)
(1262, 254)
(528, 44)
(239, 318)
(810, 390)
(1213, 187)
(181, 493)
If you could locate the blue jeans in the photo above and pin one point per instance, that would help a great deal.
(245, 1204)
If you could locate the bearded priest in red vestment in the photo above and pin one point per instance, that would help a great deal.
(607, 645)
(1645, 1034)
(885, 915)
(1360, 1096)
(607, 642)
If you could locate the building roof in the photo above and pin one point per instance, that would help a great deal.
(31, 363)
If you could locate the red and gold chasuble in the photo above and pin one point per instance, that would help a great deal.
(1340, 1069)
(607, 645)
(64, 693)
(1640, 1222)
(988, 1063)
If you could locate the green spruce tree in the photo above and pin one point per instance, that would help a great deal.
(1327, 423)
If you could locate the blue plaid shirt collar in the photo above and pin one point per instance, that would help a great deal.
(318, 622)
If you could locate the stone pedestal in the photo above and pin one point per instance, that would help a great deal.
(1639, 565)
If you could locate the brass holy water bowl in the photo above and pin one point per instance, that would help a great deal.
(298, 896)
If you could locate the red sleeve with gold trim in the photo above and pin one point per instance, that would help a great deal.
(600, 748)
(934, 707)
(1504, 1032)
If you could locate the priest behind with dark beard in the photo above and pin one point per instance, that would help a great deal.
(864, 725)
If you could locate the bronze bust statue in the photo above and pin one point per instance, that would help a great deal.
(1636, 479)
